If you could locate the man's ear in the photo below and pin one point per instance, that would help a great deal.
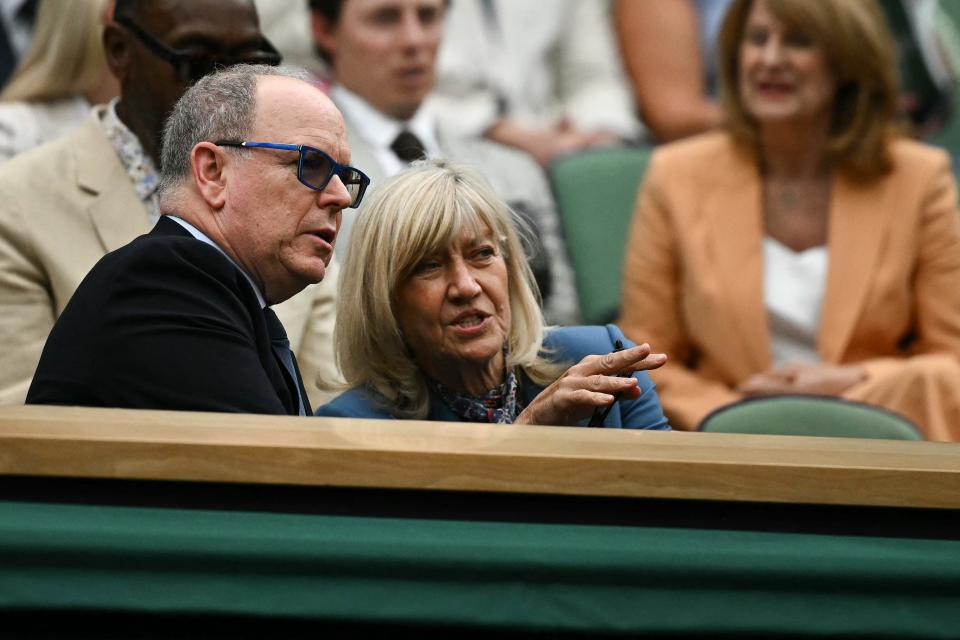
(324, 33)
(208, 164)
(116, 48)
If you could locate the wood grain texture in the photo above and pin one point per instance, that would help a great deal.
(166, 445)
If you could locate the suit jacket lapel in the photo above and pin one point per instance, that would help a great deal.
(736, 239)
(857, 219)
(271, 363)
(115, 210)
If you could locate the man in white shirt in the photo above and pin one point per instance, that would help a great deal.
(382, 55)
(543, 76)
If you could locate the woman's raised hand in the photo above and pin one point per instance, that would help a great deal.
(591, 383)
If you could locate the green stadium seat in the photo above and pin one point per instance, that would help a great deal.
(802, 415)
(595, 192)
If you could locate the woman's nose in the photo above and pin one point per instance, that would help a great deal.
(772, 53)
(463, 282)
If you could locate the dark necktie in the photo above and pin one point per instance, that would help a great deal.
(408, 147)
(281, 349)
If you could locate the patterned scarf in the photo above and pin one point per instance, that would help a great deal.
(499, 405)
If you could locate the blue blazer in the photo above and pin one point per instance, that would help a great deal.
(565, 345)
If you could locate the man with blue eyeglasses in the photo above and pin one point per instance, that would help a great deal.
(255, 176)
(66, 205)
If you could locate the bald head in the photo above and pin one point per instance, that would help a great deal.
(288, 109)
(221, 106)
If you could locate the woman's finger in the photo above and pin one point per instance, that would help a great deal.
(652, 361)
(587, 398)
(599, 383)
(612, 363)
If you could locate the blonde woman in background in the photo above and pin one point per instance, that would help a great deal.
(63, 74)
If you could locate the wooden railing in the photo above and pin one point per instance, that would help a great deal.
(166, 445)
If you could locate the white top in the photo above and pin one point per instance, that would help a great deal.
(25, 125)
(379, 130)
(793, 288)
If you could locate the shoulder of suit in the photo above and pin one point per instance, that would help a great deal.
(574, 343)
(705, 151)
(173, 252)
(918, 156)
(358, 402)
(515, 176)
(165, 263)
(484, 153)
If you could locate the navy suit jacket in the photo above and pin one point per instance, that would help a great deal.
(166, 322)
(567, 345)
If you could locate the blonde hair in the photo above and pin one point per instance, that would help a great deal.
(862, 54)
(66, 54)
(416, 214)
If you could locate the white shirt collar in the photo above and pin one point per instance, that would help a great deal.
(380, 130)
(202, 237)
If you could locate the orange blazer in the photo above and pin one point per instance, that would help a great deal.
(693, 271)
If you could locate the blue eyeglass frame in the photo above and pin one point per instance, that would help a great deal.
(342, 171)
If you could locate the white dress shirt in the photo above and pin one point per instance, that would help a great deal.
(379, 130)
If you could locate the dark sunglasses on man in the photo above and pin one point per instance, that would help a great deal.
(191, 67)
(315, 168)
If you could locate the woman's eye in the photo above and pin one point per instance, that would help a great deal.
(756, 36)
(427, 266)
(798, 39)
(485, 253)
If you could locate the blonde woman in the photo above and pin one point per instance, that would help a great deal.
(807, 248)
(62, 75)
(438, 318)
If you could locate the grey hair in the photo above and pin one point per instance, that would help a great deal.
(220, 106)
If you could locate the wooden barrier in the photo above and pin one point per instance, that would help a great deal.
(117, 523)
(228, 448)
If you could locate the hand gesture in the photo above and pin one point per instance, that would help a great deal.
(589, 384)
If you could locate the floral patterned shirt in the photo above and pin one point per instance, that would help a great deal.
(139, 166)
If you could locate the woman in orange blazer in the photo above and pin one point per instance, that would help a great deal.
(805, 247)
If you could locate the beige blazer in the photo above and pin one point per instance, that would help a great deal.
(65, 205)
(693, 272)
